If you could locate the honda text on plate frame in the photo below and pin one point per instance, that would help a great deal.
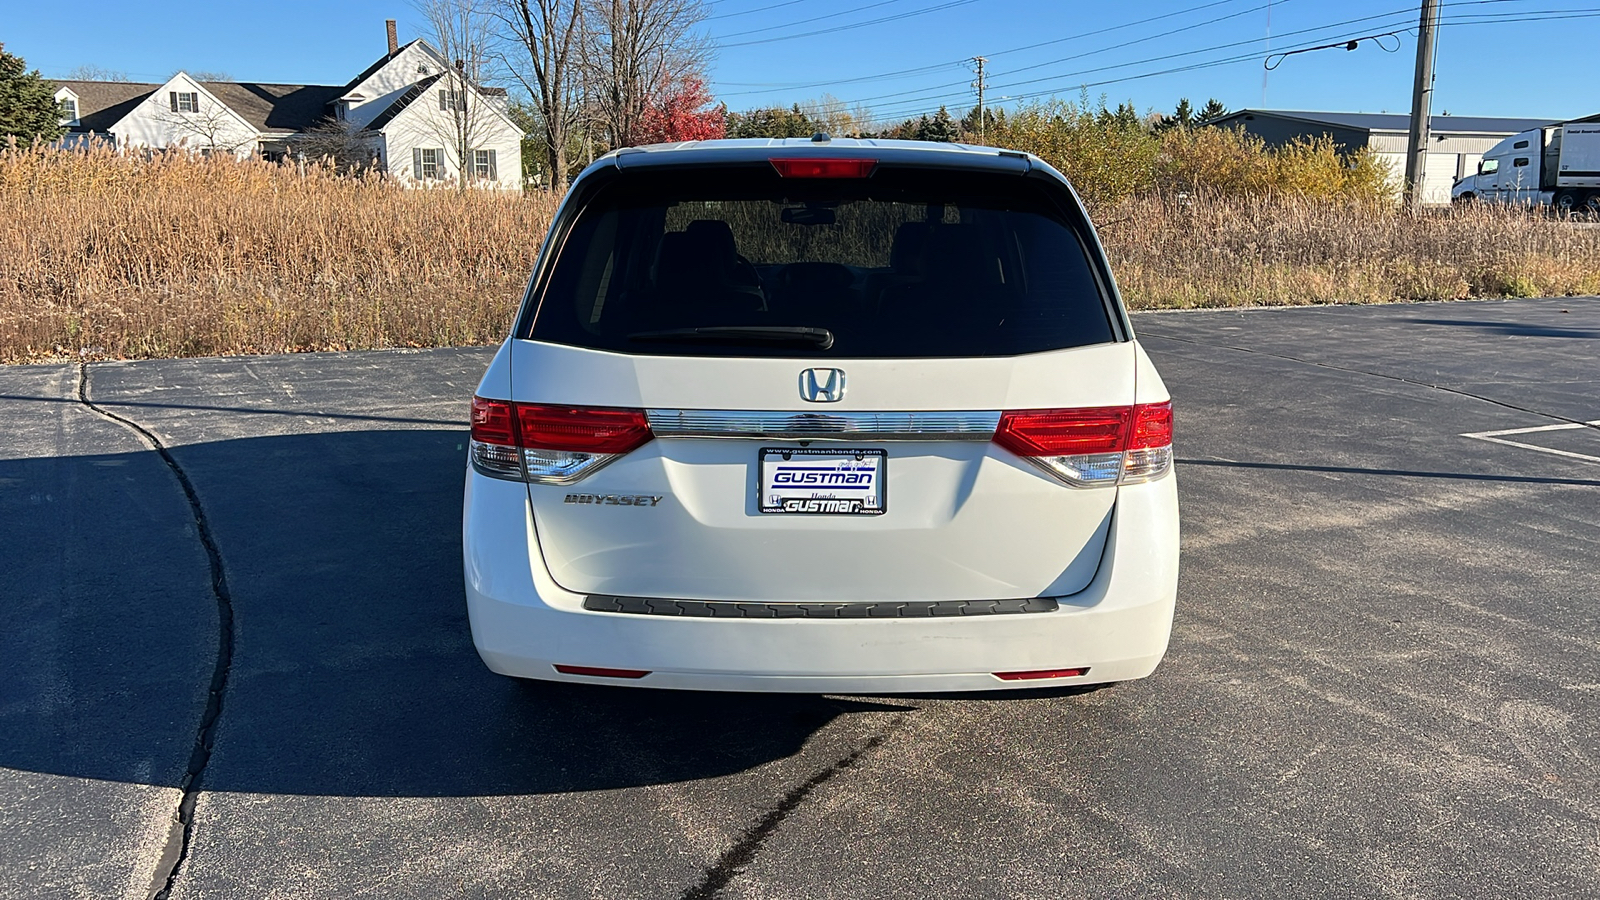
(854, 416)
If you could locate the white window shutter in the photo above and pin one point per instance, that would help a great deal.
(416, 163)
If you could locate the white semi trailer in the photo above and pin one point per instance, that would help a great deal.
(1557, 165)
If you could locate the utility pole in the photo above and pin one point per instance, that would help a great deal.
(982, 126)
(1421, 104)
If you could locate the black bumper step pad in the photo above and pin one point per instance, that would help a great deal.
(725, 609)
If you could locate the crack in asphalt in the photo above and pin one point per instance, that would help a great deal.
(743, 852)
(1400, 378)
(176, 849)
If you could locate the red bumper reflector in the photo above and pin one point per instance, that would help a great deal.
(597, 672)
(1038, 673)
(824, 168)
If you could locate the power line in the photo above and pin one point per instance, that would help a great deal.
(756, 10)
(834, 15)
(775, 87)
(918, 104)
(919, 70)
(878, 21)
(1251, 56)
(1137, 62)
(1405, 13)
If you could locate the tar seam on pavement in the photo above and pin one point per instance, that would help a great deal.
(1399, 378)
(744, 850)
(1402, 473)
(177, 846)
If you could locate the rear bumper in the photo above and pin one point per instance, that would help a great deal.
(523, 623)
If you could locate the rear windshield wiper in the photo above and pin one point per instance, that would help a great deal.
(821, 338)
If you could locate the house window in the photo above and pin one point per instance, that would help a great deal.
(452, 100)
(483, 165)
(340, 110)
(184, 102)
(69, 110)
(428, 163)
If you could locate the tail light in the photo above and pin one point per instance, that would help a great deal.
(547, 444)
(1091, 447)
(824, 167)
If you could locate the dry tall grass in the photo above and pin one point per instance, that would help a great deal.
(110, 256)
(1277, 250)
(118, 256)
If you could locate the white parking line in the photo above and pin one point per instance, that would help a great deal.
(1498, 437)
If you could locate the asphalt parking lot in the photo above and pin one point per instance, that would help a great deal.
(1384, 678)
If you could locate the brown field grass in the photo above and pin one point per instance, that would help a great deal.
(111, 256)
(1272, 251)
(106, 256)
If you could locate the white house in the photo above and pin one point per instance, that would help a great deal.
(415, 118)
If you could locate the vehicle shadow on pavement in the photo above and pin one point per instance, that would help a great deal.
(1513, 329)
(353, 671)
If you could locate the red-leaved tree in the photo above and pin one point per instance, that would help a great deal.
(680, 113)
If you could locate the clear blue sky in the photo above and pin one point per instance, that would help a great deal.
(911, 62)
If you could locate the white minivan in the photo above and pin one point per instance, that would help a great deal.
(821, 416)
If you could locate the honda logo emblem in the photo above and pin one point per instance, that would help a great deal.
(822, 385)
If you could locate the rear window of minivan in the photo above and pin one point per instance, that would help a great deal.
(906, 263)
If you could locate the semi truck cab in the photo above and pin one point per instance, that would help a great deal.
(1557, 165)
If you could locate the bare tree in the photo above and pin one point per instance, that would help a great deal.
(209, 127)
(91, 72)
(635, 51)
(464, 34)
(343, 144)
(832, 116)
(544, 43)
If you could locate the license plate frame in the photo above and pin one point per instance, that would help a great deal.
(825, 481)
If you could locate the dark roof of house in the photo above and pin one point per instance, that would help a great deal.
(403, 101)
(277, 107)
(267, 107)
(1388, 121)
(102, 103)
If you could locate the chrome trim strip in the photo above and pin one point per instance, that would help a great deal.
(829, 426)
(893, 609)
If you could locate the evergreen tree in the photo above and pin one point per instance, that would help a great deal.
(1212, 110)
(969, 122)
(1182, 118)
(772, 122)
(940, 128)
(28, 107)
(1124, 117)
